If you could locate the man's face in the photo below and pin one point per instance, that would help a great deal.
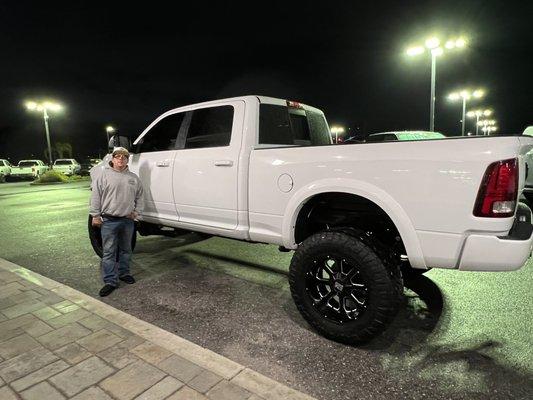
(120, 161)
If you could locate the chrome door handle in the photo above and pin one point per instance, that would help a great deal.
(162, 163)
(224, 163)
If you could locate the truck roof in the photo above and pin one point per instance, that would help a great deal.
(262, 99)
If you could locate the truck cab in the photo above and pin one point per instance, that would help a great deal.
(193, 161)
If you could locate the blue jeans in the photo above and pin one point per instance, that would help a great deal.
(116, 238)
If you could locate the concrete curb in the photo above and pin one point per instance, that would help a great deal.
(236, 373)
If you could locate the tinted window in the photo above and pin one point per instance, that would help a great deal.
(210, 127)
(318, 128)
(281, 125)
(63, 162)
(274, 125)
(300, 129)
(163, 135)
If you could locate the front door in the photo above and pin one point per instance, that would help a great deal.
(154, 164)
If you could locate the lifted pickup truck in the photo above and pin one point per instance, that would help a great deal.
(260, 169)
(29, 169)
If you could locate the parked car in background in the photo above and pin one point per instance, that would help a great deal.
(29, 169)
(395, 136)
(87, 164)
(5, 169)
(402, 135)
(68, 166)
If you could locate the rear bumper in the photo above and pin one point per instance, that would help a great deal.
(500, 253)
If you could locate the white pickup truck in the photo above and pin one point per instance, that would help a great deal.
(29, 169)
(357, 216)
(5, 169)
(67, 166)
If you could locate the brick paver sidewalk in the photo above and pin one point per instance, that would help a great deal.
(58, 343)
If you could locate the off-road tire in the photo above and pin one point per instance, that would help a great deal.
(409, 272)
(381, 282)
(95, 236)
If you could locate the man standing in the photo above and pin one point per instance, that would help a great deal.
(116, 202)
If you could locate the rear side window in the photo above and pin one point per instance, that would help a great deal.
(280, 125)
(210, 127)
(163, 135)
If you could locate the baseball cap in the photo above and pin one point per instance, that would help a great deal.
(120, 150)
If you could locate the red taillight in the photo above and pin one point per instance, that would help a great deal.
(498, 191)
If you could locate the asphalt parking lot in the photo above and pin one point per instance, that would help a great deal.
(460, 335)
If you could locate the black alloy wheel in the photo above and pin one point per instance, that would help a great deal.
(337, 288)
(342, 288)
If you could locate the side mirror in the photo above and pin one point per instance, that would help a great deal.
(119, 141)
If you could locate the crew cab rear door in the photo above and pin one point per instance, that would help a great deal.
(206, 166)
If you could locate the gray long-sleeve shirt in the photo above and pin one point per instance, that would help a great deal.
(116, 193)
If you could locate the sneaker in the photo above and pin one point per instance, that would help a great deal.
(107, 290)
(128, 279)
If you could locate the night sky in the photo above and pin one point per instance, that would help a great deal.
(126, 64)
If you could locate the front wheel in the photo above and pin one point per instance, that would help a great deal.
(342, 288)
(95, 236)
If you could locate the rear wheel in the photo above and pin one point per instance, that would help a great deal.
(342, 288)
(95, 236)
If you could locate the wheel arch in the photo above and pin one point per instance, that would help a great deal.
(361, 191)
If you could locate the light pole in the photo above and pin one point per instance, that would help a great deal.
(109, 129)
(433, 45)
(336, 130)
(488, 125)
(44, 107)
(477, 114)
(465, 95)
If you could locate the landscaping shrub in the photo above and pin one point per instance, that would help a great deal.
(51, 177)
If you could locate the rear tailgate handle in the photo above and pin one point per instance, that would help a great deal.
(162, 163)
(224, 163)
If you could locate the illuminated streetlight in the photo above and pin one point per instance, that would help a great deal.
(109, 129)
(434, 48)
(477, 114)
(336, 130)
(488, 129)
(45, 107)
(465, 95)
(488, 125)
